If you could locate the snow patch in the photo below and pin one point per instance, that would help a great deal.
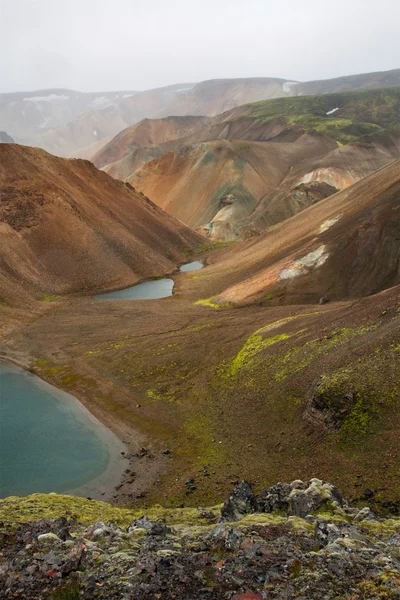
(313, 259)
(100, 100)
(288, 85)
(328, 224)
(50, 98)
(330, 112)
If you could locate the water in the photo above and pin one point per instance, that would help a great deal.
(49, 442)
(148, 290)
(193, 266)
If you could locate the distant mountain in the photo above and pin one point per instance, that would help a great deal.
(67, 228)
(297, 152)
(26, 114)
(148, 132)
(73, 124)
(5, 138)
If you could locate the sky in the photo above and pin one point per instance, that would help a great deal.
(104, 45)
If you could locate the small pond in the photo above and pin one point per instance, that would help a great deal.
(148, 290)
(49, 442)
(192, 266)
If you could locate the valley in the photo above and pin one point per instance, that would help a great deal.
(213, 300)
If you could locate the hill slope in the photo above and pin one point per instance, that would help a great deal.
(365, 126)
(76, 127)
(214, 184)
(346, 246)
(148, 132)
(68, 228)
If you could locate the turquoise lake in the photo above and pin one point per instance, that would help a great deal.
(49, 442)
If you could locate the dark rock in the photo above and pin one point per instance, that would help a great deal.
(153, 527)
(368, 494)
(274, 498)
(241, 501)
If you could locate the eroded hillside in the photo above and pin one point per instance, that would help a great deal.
(68, 228)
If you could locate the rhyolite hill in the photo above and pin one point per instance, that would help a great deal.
(261, 163)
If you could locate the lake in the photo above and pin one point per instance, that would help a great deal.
(192, 266)
(49, 442)
(148, 290)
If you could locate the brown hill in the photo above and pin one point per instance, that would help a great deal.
(214, 184)
(67, 228)
(148, 132)
(346, 246)
(363, 124)
(312, 180)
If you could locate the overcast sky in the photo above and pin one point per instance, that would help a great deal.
(100, 45)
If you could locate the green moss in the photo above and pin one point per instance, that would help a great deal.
(3, 303)
(211, 303)
(16, 509)
(362, 112)
(49, 298)
(254, 344)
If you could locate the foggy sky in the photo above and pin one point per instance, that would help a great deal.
(100, 45)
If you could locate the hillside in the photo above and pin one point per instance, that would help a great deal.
(346, 246)
(68, 228)
(215, 184)
(353, 134)
(149, 132)
(69, 123)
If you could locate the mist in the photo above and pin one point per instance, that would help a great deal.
(97, 45)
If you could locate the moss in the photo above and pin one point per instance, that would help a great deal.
(49, 506)
(211, 303)
(359, 115)
(3, 303)
(253, 345)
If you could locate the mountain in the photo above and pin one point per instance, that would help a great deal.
(148, 132)
(351, 135)
(70, 123)
(26, 114)
(214, 184)
(68, 228)
(5, 138)
(344, 247)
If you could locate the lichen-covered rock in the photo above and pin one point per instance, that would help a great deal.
(317, 494)
(259, 557)
(274, 498)
(241, 501)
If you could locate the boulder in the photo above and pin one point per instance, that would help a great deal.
(241, 501)
(274, 498)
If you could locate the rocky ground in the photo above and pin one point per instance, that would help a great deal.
(294, 541)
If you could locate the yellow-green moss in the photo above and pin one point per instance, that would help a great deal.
(254, 344)
(211, 302)
(17, 509)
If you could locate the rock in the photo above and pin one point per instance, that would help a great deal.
(152, 527)
(48, 537)
(241, 501)
(365, 513)
(317, 494)
(368, 494)
(247, 597)
(274, 498)
(325, 533)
